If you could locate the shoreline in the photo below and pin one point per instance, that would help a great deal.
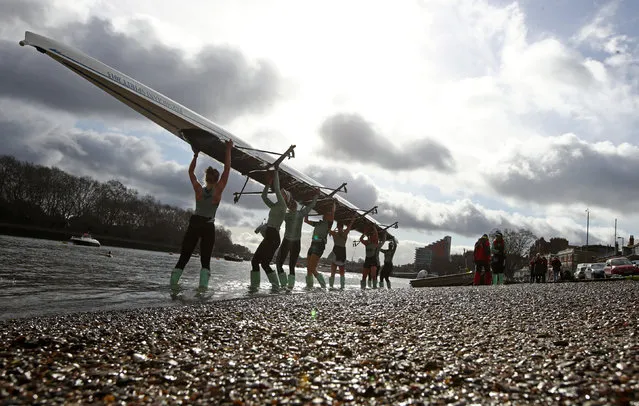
(43, 233)
(549, 343)
(27, 231)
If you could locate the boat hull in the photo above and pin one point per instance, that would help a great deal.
(201, 133)
(231, 258)
(460, 279)
(88, 243)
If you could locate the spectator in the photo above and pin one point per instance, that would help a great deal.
(482, 261)
(556, 268)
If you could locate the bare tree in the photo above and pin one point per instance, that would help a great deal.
(517, 242)
(49, 197)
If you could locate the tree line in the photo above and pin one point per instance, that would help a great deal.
(51, 198)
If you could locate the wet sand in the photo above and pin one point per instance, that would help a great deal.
(549, 344)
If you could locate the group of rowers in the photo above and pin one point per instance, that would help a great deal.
(284, 210)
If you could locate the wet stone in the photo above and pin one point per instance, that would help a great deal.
(513, 344)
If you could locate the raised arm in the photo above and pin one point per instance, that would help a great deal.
(348, 228)
(307, 209)
(267, 185)
(278, 191)
(394, 245)
(221, 184)
(196, 185)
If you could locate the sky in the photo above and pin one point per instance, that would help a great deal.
(455, 117)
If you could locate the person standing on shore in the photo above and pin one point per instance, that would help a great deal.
(318, 244)
(294, 219)
(381, 240)
(544, 269)
(338, 255)
(538, 266)
(370, 240)
(482, 261)
(498, 260)
(202, 221)
(556, 268)
(264, 253)
(387, 269)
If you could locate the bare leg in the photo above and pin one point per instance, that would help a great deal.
(311, 270)
(342, 280)
(331, 279)
(365, 273)
(374, 276)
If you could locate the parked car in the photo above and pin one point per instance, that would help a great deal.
(595, 271)
(620, 266)
(580, 272)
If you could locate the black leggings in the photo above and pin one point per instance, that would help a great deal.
(288, 246)
(199, 229)
(386, 271)
(264, 253)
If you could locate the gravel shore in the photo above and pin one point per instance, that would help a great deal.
(569, 343)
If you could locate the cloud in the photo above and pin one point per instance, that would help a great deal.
(568, 170)
(349, 136)
(219, 82)
(601, 33)
(361, 189)
(50, 140)
(22, 10)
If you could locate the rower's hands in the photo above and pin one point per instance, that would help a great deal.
(229, 144)
(195, 150)
(269, 177)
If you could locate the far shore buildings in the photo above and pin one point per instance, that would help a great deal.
(435, 257)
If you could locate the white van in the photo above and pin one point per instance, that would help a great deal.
(580, 272)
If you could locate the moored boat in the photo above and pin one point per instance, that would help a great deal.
(233, 257)
(85, 239)
(458, 279)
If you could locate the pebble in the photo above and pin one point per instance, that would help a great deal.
(565, 343)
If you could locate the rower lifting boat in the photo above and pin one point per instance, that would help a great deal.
(201, 133)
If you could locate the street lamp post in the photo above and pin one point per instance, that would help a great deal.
(614, 242)
(621, 238)
(587, 226)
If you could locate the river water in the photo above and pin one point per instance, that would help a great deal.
(45, 277)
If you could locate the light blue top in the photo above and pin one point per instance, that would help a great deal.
(278, 209)
(295, 219)
(339, 238)
(205, 206)
(320, 230)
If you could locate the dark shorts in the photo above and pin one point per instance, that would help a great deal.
(387, 270)
(370, 262)
(316, 248)
(338, 256)
(497, 267)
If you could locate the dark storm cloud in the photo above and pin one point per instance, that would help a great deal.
(361, 190)
(465, 219)
(570, 171)
(22, 11)
(349, 136)
(137, 163)
(219, 82)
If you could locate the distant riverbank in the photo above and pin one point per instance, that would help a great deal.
(22, 230)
